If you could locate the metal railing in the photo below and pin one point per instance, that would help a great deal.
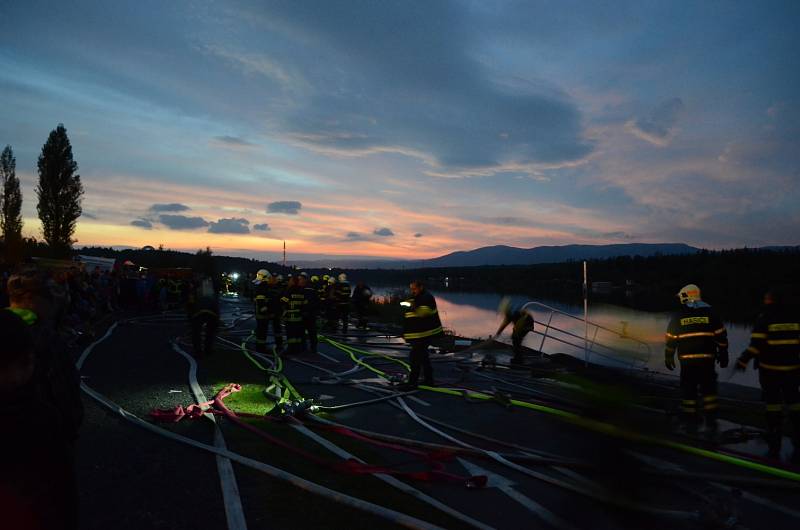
(590, 344)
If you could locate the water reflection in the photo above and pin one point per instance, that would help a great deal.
(475, 315)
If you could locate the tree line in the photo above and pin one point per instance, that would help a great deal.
(59, 194)
(733, 281)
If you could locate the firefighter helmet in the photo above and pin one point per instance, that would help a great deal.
(689, 293)
(263, 274)
(343, 277)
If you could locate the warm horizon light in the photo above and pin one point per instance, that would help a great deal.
(411, 129)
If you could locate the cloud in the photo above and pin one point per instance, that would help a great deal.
(232, 142)
(142, 223)
(229, 226)
(172, 207)
(418, 234)
(659, 127)
(89, 215)
(181, 222)
(383, 232)
(286, 207)
(450, 107)
(355, 236)
(263, 227)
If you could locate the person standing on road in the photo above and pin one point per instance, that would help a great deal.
(775, 350)
(203, 310)
(361, 297)
(56, 384)
(343, 301)
(294, 300)
(700, 340)
(421, 325)
(309, 312)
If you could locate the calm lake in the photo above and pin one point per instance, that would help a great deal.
(627, 337)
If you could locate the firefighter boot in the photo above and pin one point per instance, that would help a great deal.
(774, 434)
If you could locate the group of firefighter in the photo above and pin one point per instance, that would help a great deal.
(700, 341)
(295, 305)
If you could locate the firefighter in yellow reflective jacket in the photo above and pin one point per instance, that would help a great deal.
(700, 339)
(294, 302)
(421, 326)
(775, 348)
(267, 310)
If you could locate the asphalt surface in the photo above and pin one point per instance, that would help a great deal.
(130, 478)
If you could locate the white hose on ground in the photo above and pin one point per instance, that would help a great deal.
(274, 472)
(234, 513)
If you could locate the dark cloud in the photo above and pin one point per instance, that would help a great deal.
(418, 234)
(287, 207)
(172, 207)
(181, 222)
(263, 227)
(232, 141)
(659, 127)
(383, 232)
(447, 106)
(229, 226)
(142, 223)
(355, 236)
(88, 215)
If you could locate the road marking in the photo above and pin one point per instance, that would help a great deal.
(507, 487)
(234, 513)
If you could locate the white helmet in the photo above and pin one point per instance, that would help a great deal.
(343, 277)
(262, 274)
(689, 293)
(331, 280)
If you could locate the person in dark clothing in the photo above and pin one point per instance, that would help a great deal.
(342, 291)
(361, 297)
(522, 325)
(267, 310)
(775, 348)
(294, 301)
(53, 390)
(203, 311)
(700, 339)
(309, 312)
(421, 326)
(331, 305)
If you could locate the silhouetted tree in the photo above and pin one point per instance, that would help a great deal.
(10, 206)
(59, 192)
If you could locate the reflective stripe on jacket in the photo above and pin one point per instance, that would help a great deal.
(422, 319)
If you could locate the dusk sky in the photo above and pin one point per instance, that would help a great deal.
(411, 129)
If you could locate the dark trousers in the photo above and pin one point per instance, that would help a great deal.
(294, 336)
(699, 376)
(310, 328)
(516, 342)
(262, 331)
(420, 361)
(777, 388)
(204, 322)
(361, 316)
(344, 315)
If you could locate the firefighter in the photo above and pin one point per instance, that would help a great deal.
(202, 307)
(267, 310)
(331, 309)
(421, 326)
(342, 301)
(700, 339)
(294, 301)
(361, 297)
(309, 312)
(522, 325)
(775, 348)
